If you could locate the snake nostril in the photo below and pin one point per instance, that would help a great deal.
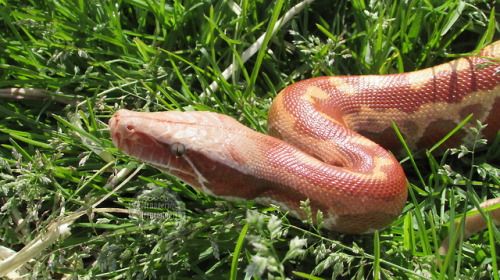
(130, 127)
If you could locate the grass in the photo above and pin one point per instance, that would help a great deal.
(81, 209)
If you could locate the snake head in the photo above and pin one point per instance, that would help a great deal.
(196, 147)
(158, 137)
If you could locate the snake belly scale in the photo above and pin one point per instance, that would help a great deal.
(322, 142)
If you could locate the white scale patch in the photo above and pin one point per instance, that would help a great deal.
(363, 141)
(340, 84)
(330, 221)
(379, 163)
(312, 93)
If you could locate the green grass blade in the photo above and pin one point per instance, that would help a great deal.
(237, 251)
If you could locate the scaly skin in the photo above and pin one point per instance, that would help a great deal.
(356, 183)
(226, 159)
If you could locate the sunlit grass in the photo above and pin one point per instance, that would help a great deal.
(61, 177)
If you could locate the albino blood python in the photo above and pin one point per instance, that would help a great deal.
(322, 140)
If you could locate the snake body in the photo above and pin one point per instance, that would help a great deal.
(322, 140)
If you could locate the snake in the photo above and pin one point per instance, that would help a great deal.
(331, 141)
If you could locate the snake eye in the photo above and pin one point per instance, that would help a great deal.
(177, 150)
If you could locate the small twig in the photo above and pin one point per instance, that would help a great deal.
(59, 229)
(258, 44)
(35, 93)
